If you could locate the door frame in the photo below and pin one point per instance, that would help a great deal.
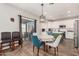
(20, 24)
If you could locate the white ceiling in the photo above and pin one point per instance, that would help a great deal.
(51, 11)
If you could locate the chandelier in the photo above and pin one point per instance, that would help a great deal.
(42, 17)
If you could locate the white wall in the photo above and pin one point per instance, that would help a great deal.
(7, 12)
(69, 25)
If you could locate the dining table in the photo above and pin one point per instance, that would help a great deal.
(45, 39)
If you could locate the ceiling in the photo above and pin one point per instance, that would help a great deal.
(51, 11)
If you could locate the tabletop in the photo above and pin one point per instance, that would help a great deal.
(46, 38)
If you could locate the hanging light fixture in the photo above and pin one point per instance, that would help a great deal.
(42, 17)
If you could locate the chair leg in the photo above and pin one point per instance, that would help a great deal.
(21, 45)
(10, 45)
(50, 47)
(38, 52)
(13, 47)
(2, 51)
(44, 47)
(57, 49)
(33, 48)
(54, 51)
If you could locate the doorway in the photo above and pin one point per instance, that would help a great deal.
(26, 27)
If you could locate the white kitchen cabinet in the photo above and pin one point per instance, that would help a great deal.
(70, 35)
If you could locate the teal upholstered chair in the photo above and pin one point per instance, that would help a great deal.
(36, 43)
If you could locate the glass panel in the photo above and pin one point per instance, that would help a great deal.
(30, 28)
(23, 30)
(27, 29)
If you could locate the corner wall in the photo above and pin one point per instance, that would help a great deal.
(7, 12)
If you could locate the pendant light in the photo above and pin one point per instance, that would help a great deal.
(42, 17)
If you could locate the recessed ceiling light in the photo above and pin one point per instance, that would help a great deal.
(51, 17)
(69, 11)
(45, 13)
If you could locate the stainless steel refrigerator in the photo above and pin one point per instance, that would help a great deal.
(76, 34)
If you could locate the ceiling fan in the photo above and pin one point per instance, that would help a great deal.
(42, 17)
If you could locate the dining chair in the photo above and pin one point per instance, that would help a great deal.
(16, 37)
(5, 40)
(36, 43)
(49, 33)
(55, 44)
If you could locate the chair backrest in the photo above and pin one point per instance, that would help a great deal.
(36, 42)
(16, 35)
(49, 33)
(5, 35)
(57, 41)
(34, 34)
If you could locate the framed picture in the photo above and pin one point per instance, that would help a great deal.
(12, 19)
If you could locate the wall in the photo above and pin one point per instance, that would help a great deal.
(69, 26)
(6, 12)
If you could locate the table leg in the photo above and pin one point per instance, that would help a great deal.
(46, 47)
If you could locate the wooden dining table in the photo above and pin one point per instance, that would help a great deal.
(45, 39)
